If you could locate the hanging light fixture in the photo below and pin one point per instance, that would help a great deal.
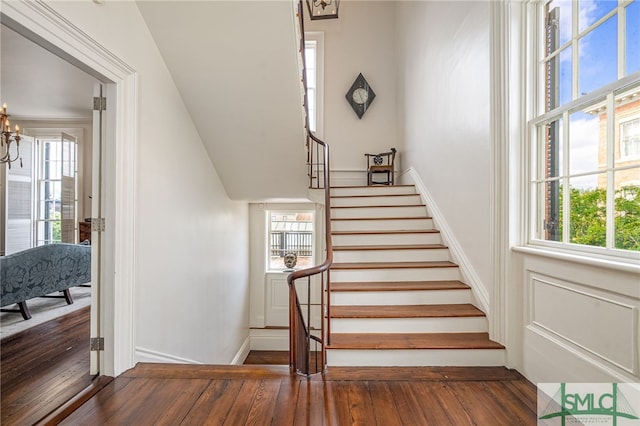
(8, 138)
(323, 9)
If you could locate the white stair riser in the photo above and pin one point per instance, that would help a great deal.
(417, 255)
(372, 190)
(396, 274)
(381, 225)
(378, 212)
(388, 200)
(409, 325)
(416, 297)
(415, 357)
(386, 239)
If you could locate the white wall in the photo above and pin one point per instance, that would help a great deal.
(191, 241)
(362, 40)
(443, 115)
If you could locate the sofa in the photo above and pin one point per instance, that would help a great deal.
(42, 270)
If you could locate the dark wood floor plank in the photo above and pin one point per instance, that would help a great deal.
(239, 410)
(43, 367)
(477, 401)
(101, 406)
(135, 404)
(525, 391)
(385, 410)
(360, 404)
(307, 410)
(337, 403)
(213, 406)
(511, 401)
(287, 401)
(452, 407)
(267, 358)
(407, 403)
(171, 400)
(264, 403)
(431, 407)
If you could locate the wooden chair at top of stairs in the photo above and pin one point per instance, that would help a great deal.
(381, 163)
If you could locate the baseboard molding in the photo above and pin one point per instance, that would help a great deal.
(265, 339)
(147, 355)
(348, 177)
(243, 352)
(411, 176)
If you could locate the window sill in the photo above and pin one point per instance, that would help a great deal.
(617, 264)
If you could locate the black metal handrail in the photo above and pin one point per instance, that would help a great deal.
(300, 330)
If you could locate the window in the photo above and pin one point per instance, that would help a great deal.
(314, 74)
(630, 139)
(290, 233)
(57, 200)
(586, 168)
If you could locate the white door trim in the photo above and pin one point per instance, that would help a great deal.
(42, 24)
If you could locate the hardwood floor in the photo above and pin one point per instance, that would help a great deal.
(43, 367)
(155, 394)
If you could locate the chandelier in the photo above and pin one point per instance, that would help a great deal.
(8, 138)
(323, 9)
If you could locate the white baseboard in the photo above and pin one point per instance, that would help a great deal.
(243, 352)
(348, 178)
(264, 339)
(147, 355)
(470, 277)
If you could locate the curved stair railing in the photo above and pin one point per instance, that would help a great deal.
(307, 342)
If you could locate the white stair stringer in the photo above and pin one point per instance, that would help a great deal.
(388, 255)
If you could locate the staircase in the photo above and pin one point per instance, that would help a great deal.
(396, 297)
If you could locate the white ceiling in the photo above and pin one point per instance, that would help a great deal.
(37, 84)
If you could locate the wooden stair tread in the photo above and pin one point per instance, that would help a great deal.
(398, 286)
(387, 232)
(372, 186)
(378, 206)
(393, 265)
(406, 311)
(412, 341)
(374, 195)
(382, 218)
(390, 247)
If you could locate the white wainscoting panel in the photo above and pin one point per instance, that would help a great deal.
(603, 326)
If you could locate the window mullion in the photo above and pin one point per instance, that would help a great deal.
(575, 55)
(566, 202)
(611, 184)
(622, 24)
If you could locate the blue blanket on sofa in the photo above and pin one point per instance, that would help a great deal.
(41, 270)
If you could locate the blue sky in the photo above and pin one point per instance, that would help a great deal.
(598, 60)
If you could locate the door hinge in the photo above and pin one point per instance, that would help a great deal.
(99, 103)
(97, 224)
(96, 344)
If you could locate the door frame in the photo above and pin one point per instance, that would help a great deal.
(40, 23)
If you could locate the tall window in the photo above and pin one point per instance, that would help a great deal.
(57, 200)
(585, 182)
(290, 233)
(314, 59)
